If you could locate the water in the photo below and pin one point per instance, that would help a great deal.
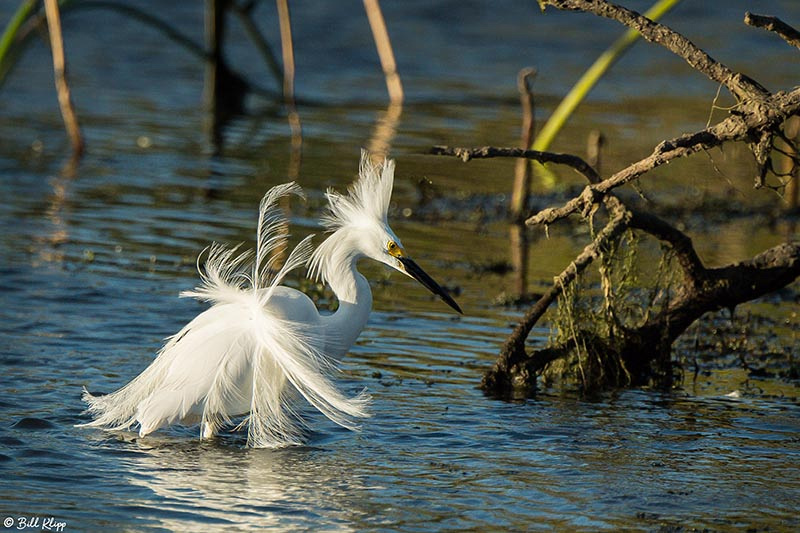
(92, 258)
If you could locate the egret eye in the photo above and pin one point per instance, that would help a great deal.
(393, 249)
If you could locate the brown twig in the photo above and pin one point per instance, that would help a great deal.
(786, 162)
(60, 72)
(484, 152)
(287, 51)
(522, 170)
(774, 24)
(594, 147)
(385, 53)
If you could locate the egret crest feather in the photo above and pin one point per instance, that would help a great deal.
(367, 199)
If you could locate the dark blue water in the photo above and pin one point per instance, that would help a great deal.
(92, 259)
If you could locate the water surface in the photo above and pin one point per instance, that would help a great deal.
(92, 259)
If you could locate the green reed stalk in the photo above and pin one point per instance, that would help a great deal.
(589, 79)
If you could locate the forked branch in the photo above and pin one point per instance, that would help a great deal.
(774, 24)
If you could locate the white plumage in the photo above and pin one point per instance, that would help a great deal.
(261, 345)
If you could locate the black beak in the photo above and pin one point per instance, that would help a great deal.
(413, 270)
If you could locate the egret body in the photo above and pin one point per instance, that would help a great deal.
(261, 344)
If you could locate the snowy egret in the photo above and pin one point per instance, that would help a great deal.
(261, 345)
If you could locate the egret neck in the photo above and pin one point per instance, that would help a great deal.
(336, 260)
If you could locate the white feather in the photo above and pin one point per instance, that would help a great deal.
(261, 346)
(237, 357)
(367, 201)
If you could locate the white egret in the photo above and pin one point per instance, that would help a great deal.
(261, 344)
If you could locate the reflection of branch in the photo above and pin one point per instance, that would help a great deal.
(48, 246)
(385, 129)
(774, 24)
(60, 71)
(287, 51)
(143, 16)
(245, 17)
(384, 46)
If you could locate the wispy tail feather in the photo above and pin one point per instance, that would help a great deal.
(224, 274)
(271, 235)
(234, 349)
(284, 351)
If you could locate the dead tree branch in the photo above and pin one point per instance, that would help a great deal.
(522, 171)
(757, 120)
(465, 154)
(753, 124)
(704, 289)
(710, 290)
(775, 25)
(642, 351)
(740, 85)
(513, 360)
(512, 369)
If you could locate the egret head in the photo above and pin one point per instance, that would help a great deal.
(362, 214)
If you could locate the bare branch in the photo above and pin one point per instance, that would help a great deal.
(751, 123)
(741, 86)
(287, 52)
(643, 350)
(484, 152)
(522, 170)
(680, 243)
(774, 24)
